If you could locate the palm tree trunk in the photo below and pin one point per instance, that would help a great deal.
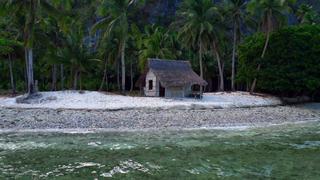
(220, 67)
(221, 84)
(200, 64)
(254, 83)
(27, 69)
(234, 56)
(104, 75)
(80, 79)
(123, 67)
(118, 76)
(75, 80)
(31, 88)
(71, 77)
(107, 83)
(131, 76)
(13, 84)
(28, 32)
(62, 76)
(54, 78)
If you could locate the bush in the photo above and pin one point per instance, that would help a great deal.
(291, 66)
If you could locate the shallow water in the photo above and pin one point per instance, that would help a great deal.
(282, 152)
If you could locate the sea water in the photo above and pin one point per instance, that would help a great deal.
(277, 152)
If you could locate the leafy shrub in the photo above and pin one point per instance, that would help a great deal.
(291, 66)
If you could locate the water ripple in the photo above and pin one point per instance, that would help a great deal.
(125, 167)
(307, 145)
(23, 145)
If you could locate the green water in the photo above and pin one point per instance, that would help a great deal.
(282, 152)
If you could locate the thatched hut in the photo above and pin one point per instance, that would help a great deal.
(170, 78)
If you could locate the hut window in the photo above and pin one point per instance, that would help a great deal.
(150, 84)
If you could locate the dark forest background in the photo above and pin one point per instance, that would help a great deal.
(104, 44)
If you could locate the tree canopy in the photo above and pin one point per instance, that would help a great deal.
(291, 66)
(104, 44)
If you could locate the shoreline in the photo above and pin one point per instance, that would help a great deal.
(151, 119)
(92, 100)
(174, 107)
(108, 130)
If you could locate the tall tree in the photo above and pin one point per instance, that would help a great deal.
(75, 54)
(107, 51)
(7, 48)
(307, 15)
(194, 23)
(236, 8)
(31, 12)
(155, 42)
(116, 23)
(270, 14)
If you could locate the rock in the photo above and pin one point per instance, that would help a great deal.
(153, 118)
(36, 98)
(29, 98)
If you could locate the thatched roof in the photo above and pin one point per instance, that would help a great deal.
(172, 73)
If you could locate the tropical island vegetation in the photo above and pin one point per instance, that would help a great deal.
(230, 89)
(266, 46)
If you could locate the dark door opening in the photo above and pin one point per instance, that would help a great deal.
(162, 92)
(150, 84)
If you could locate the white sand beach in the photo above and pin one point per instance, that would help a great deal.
(96, 100)
(94, 110)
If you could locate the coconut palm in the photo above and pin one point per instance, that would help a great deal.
(195, 24)
(31, 11)
(109, 53)
(155, 43)
(75, 55)
(236, 8)
(270, 15)
(307, 15)
(217, 39)
(7, 47)
(116, 23)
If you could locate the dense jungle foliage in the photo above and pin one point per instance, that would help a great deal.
(258, 45)
(291, 65)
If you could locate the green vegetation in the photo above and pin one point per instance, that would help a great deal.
(104, 44)
(269, 14)
(291, 66)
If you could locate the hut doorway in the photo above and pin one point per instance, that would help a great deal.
(197, 92)
(195, 88)
(162, 91)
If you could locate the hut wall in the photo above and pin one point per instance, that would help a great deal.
(187, 90)
(154, 90)
(175, 92)
(179, 92)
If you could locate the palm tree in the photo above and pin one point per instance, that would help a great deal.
(270, 15)
(32, 11)
(307, 15)
(109, 53)
(75, 55)
(64, 28)
(115, 23)
(194, 23)
(235, 7)
(156, 42)
(216, 53)
(7, 47)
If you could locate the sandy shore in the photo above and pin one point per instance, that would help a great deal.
(100, 101)
(139, 119)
